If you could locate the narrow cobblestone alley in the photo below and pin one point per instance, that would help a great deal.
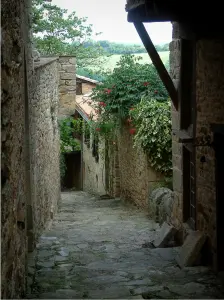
(99, 249)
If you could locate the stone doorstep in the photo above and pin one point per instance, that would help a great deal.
(190, 250)
(164, 235)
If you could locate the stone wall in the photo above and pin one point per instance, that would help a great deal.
(177, 148)
(210, 110)
(112, 174)
(93, 171)
(137, 178)
(44, 135)
(67, 85)
(14, 38)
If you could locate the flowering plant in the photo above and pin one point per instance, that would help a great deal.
(123, 89)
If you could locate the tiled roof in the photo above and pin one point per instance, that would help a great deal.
(84, 106)
(86, 79)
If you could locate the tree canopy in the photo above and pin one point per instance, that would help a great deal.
(58, 33)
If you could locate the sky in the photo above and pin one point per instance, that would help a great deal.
(110, 18)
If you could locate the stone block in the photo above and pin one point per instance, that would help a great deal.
(64, 59)
(164, 235)
(70, 82)
(72, 60)
(68, 68)
(160, 204)
(177, 180)
(66, 88)
(191, 248)
(67, 76)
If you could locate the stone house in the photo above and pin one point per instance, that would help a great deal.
(84, 85)
(196, 88)
(93, 147)
(30, 173)
(112, 167)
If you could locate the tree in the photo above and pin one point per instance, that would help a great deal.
(125, 86)
(58, 33)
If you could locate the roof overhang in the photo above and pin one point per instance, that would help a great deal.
(174, 11)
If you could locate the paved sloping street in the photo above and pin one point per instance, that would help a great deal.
(100, 249)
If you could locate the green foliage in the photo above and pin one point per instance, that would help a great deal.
(152, 119)
(68, 128)
(68, 143)
(62, 166)
(135, 91)
(125, 86)
(95, 75)
(58, 33)
(120, 48)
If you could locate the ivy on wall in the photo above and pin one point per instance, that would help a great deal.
(68, 143)
(134, 94)
(152, 120)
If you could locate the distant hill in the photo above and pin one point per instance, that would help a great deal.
(119, 48)
(111, 61)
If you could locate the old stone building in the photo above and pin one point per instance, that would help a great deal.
(137, 177)
(67, 86)
(84, 85)
(30, 143)
(196, 91)
(113, 167)
(93, 147)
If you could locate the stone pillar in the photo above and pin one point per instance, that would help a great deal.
(67, 85)
(175, 54)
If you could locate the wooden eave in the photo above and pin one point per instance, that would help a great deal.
(174, 10)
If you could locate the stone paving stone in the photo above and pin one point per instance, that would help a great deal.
(164, 235)
(96, 250)
(191, 248)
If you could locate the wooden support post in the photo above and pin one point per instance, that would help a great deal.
(156, 60)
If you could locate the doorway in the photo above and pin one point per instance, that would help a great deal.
(219, 174)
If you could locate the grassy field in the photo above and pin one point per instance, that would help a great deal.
(112, 60)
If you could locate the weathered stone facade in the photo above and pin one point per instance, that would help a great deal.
(93, 169)
(137, 178)
(29, 160)
(209, 110)
(14, 36)
(177, 148)
(67, 85)
(44, 140)
(112, 175)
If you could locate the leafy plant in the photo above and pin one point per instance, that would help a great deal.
(125, 86)
(152, 119)
(58, 33)
(68, 128)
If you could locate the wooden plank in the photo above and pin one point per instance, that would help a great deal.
(183, 136)
(186, 83)
(164, 75)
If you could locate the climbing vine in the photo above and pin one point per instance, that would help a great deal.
(69, 128)
(123, 89)
(152, 120)
(134, 94)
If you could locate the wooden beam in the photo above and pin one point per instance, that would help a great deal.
(156, 60)
(182, 136)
